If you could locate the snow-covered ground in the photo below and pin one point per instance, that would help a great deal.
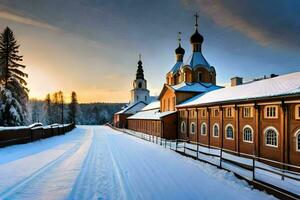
(96, 162)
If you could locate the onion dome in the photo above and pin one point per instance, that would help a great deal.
(179, 50)
(196, 38)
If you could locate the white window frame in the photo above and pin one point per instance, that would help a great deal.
(297, 107)
(216, 125)
(183, 124)
(227, 112)
(191, 124)
(265, 137)
(201, 130)
(226, 127)
(297, 134)
(250, 114)
(252, 133)
(266, 112)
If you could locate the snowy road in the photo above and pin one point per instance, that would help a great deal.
(96, 162)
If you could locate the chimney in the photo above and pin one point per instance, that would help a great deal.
(236, 81)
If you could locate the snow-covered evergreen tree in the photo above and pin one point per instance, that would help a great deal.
(13, 90)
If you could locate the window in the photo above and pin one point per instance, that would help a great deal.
(174, 104)
(216, 112)
(193, 128)
(146, 98)
(297, 112)
(271, 137)
(248, 134)
(229, 132)
(203, 129)
(183, 127)
(247, 112)
(203, 113)
(140, 85)
(199, 76)
(216, 130)
(271, 112)
(137, 98)
(298, 140)
(228, 112)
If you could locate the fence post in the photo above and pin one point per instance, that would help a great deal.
(197, 150)
(221, 153)
(176, 145)
(165, 143)
(253, 176)
(184, 147)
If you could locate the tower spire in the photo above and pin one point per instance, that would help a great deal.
(140, 57)
(140, 71)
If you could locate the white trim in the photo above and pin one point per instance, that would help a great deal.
(195, 126)
(183, 131)
(297, 134)
(294, 101)
(252, 132)
(232, 132)
(297, 107)
(277, 135)
(246, 105)
(216, 124)
(205, 128)
(270, 103)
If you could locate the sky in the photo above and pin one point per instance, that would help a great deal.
(92, 46)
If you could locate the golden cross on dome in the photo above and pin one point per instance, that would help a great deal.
(179, 37)
(196, 17)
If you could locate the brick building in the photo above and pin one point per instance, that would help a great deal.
(260, 118)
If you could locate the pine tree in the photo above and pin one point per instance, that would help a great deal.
(61, 102)
(13, 93)
(73, 108)
(48, 109)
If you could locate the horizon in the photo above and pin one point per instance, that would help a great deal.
(92, 47)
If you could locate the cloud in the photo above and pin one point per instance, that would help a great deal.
(7, 15)
(266, 22)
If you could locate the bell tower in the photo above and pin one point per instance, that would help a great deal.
(139, 91)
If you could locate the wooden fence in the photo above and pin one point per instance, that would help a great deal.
(21, 135)
(283, 181)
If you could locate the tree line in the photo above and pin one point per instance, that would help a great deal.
(15, 107)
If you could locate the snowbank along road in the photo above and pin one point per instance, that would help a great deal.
(96, 162)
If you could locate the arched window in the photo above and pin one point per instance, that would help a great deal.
(248, 134)
(271, 137)
(203, 129)
(229, 132)
(199, 76)
(193, 128)
(216, 130)
(183, 127)
(140, 85)
(298, 140)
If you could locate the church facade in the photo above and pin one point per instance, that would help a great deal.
(260, 118)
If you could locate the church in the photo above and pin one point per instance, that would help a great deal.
(260, 117)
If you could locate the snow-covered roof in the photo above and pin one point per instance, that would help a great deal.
(153, 105)
(197, 59)
(176, 67)
(133, 108)
(151, 114)
(288, 84)
(194, 87)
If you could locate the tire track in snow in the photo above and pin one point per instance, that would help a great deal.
(99, 177)
(6, 194)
